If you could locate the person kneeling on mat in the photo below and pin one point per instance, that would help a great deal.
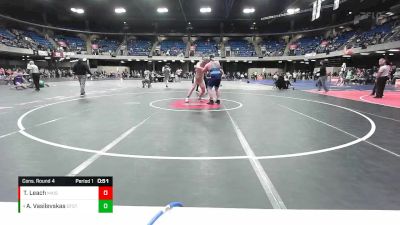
(215, 73)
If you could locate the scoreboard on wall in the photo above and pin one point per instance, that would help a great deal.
(70, 194)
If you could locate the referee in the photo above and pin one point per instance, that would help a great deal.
(34, 72)
(381, 77)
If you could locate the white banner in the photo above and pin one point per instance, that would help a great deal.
(69, 53)
(314, 11)
(43, 53)
(336, 4)
(318, 13)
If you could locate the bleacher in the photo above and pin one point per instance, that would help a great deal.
(4, 33)
(172, 47)
(108, 45)
(205, 48)
(73, 43)
(241, 48)
(375, 35)
(273, 47)
(139, 47)
(306, 45)
(341, 40)
(43, 43)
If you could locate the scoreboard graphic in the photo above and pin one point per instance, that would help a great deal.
(69, 194)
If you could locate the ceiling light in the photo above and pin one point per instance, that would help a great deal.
(124, 22)
(394, 50)
(350, 13)
(364, 53)
(162, 10)
(391, 54)
(129, 60)
(205, 10)
(289, 60)
(78, 10)
(346, 56)
(120, 10)
(248, 10)
(380, 52)
(293, 11)
(341, 27)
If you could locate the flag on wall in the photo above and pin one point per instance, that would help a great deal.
(336, 4)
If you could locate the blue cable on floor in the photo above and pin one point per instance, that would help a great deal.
(166, 209)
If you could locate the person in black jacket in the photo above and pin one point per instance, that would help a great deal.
(322, 77)
(81, 69)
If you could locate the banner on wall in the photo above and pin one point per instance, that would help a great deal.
(58, 55)
(43, 53)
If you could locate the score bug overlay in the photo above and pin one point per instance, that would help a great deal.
(69, 194)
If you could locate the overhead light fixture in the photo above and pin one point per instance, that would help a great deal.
(389, 13)
(248, 10)
(289, 60)
(205, 10)
(341, 27)
(162, 10)
(380, 52)
(124, 22)
(350, 13)
(364, 53)
(122, 61)
(129, 60)
(78, 10)
(391, 54)
(119, 10)
(346, 56)
(293, 11)
(394, 50)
